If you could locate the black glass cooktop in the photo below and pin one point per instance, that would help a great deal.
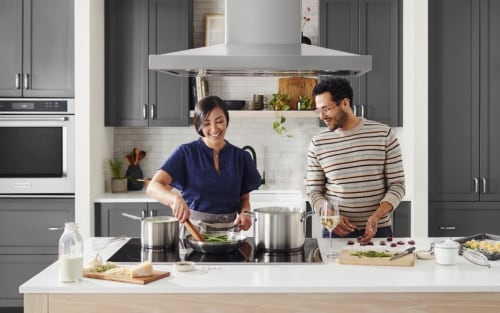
(132, 251)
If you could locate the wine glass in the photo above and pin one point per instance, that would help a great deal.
(330, 218)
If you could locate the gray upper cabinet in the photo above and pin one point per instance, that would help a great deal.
(136, 96)
(37, 50)
(464, 80)
(370, 27)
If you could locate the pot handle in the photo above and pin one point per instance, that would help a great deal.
(132, 216)
(306, 215)
(251, 214)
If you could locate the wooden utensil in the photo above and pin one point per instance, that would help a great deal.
(193, 231)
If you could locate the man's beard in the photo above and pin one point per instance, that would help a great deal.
(340, 120)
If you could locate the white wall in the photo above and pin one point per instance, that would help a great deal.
(283, 159)
(94, 143)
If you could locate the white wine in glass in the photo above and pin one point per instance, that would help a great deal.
(330, 218)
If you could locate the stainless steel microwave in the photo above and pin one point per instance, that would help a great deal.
(37, 154)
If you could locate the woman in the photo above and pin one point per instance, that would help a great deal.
(214, 177)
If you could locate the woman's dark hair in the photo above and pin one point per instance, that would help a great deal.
(203, 108)
(338, 88)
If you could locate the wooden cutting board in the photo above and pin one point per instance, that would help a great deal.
(346, 258)
(295, 87)
(127, 279)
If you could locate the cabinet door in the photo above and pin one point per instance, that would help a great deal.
(368, 27)
(453, 100)
(339, 30)
(110, 222)
(126, 63)
(48, 57)
(169, 31)
(379, 36)
(11, 47)
(490, 100)
(159, 209)
(136, 96)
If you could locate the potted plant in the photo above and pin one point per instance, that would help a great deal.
(118, 180)
(304, 103)
(280, 102)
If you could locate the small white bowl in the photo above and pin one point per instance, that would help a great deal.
(184, 266)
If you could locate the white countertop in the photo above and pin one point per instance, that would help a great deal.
(261, 195)
(425, 276)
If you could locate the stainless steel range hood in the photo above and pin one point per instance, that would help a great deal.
(262, 38)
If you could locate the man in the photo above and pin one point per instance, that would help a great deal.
(355, 161)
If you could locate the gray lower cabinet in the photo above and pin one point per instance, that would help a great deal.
(37, 48)
(29, 234)
(111, 223)
(454, 219)
(371, 27)
(136, 96)
(464, 172)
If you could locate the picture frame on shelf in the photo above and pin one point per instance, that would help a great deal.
(214, 29)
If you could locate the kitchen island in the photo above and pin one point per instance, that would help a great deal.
(324, 287)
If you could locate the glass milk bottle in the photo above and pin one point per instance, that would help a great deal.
(70, 254)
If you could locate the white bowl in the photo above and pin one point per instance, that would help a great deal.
(184, 266)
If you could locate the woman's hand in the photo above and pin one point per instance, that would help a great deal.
(244, 221)
(180, 208)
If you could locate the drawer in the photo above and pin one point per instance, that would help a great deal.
(457, 219)
(25, 223)
(16, 270)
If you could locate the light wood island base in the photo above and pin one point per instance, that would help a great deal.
(251, 302)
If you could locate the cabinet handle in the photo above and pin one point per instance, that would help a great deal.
(484, 185)
(145, 112)
(447, 227)
(26, 81)
(18, 81)
(153, 111)
(56, 228)
(144, 213)
(476, 185)
(355, 108)
(363, 111)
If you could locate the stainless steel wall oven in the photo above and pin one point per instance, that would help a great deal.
(37, 154)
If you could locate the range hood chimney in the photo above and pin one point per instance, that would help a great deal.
(262, 38)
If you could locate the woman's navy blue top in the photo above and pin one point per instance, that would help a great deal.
(193, 173)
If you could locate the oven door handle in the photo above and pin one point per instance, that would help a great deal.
(33, 119)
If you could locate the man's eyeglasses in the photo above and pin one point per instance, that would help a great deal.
(324, 110)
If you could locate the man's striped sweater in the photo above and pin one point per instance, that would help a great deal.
(360, 167)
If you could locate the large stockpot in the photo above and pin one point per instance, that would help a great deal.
(158, 232)
(279, 228)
